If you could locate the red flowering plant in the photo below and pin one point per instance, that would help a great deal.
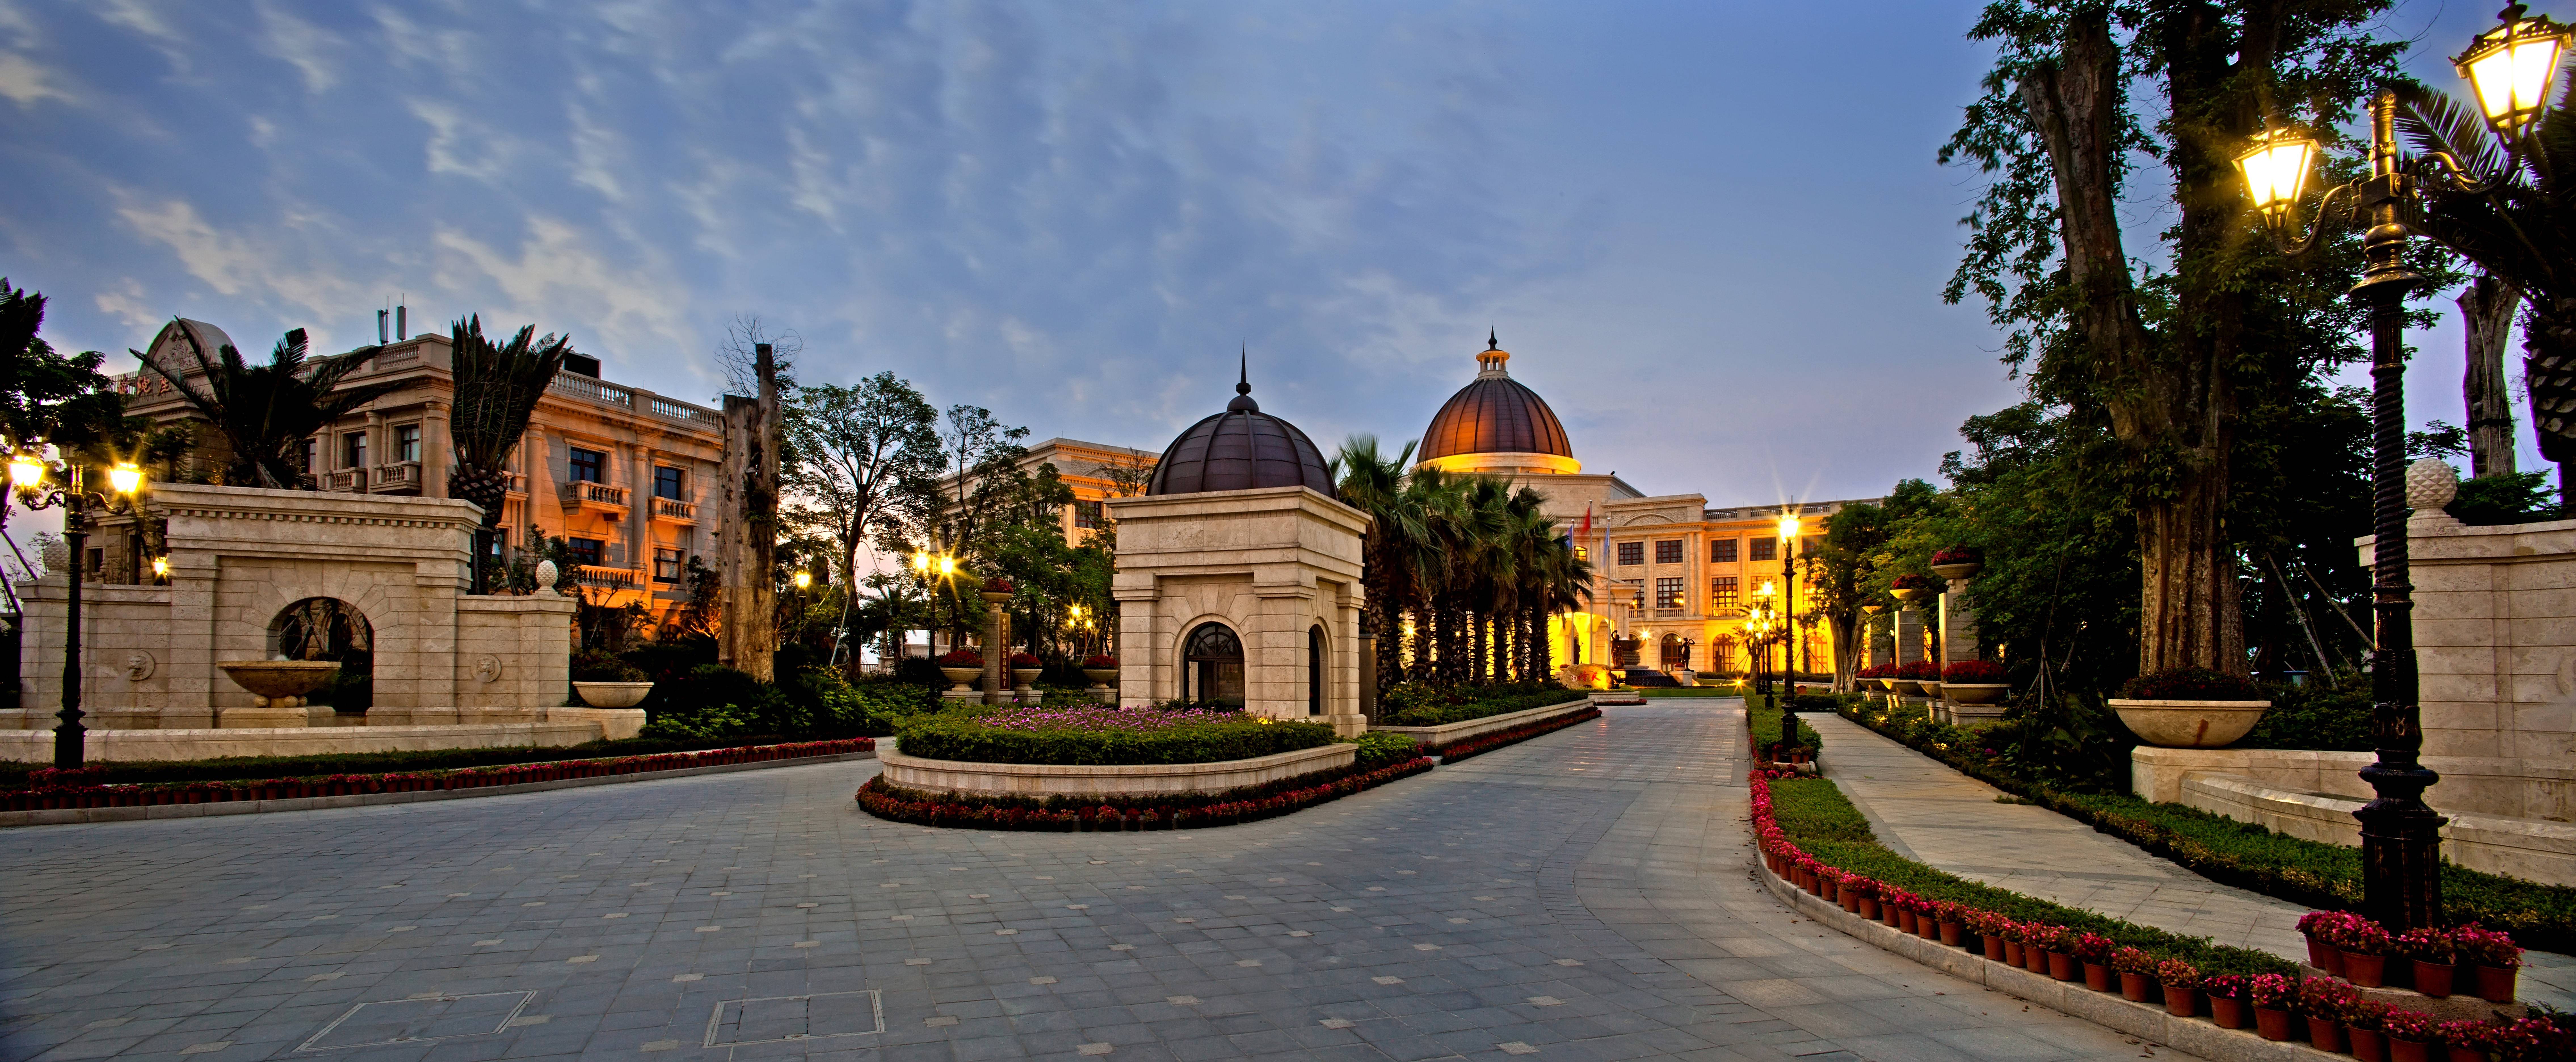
(1102, 660)
(1917, 581)
(2412, 1026)
(2133, 961)
(2322, 924)
(1026, 660)
(1876, 671)
(1974, 672)
(999, 586)
(1919, 670)
(2426, 944)
(2223, 986)
(2326, 998)
(2271, 991)
(2191, 684)
(961, 658)
(2043, 936)
(1985, 923)
(1945, 911)
(1958, 555)
(2175, 973)
(2485, 947)
(2530, 1040)
(2366, 1014)
(2466, 1034)
(2092, 948)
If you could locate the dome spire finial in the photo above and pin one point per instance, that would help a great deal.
(1490, 344)
(1489, 361)
(1243, 402)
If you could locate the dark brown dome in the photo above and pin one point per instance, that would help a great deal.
(1494, 414)
(1242, 448)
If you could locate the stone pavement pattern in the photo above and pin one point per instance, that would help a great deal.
(1586, 895)
(1933, 814)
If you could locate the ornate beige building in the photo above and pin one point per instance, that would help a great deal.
(618, 471)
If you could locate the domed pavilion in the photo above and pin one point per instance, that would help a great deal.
(1497, 425)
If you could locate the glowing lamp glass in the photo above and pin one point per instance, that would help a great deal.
(804, 580)
(921, 562)
(1788, 528)
(27, 471)
(125, 478)
(2512, 69)
(2276, 169)
(161, 566)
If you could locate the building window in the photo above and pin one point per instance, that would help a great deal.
(353, 450)
(1632, 553)
(1668, 592)
(1721, 551)
(1722, 591)
(667, 483)
(1090, 514)
(312, 455)
(1668, 551)
(585, 550)
(589, 466)
(1766, 548)
(407, 443)
(1721, 654)
(1583, 553)
(667, 565)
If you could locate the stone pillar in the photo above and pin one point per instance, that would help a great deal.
(1909, 635)
(435, 446)
(1882, 638)
(1958, 635)
(997, 651)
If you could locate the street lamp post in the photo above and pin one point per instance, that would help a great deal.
(2512, 70)
(1789, 616)
(27, 474)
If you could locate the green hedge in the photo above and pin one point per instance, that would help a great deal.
(1814, 813)
(949, 737)
(1479, 707)
(1382, 750)
(2248, 856)
(1762, 720)
(241, 768)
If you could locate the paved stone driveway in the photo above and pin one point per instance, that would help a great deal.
(1582, 896)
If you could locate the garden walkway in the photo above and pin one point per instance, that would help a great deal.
(1928, 812)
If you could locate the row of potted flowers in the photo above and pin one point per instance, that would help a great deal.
(2429, 960)
(53, 796)
(1483, 743)
(878, 799)
(2337, 1018)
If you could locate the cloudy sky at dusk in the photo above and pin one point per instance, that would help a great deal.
(1716, 248)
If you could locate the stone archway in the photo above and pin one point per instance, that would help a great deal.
(327, 628)
(1212, 665)
(1673, 652)
(1315, 663)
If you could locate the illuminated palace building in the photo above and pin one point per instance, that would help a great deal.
(1673, 576)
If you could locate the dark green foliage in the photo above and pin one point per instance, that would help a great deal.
(266, 412)
(1432, 706)
(1382, 750)
(954, 736)
(497, 390)
(235, 768)
(2190, 684)
(2329, 713)
(922, 672)
(2510, 498)
(1762, 719)
(2242, 854)
(592, 665)
(56, 398)
(1816, 815)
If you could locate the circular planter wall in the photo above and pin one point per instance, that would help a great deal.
(1157, 779)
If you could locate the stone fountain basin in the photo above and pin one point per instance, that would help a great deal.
(281, 678)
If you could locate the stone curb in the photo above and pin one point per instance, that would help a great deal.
(2107, 1009)
(64, 816)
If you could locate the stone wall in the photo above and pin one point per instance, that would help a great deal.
(2495, 636)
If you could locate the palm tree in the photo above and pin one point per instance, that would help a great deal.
(497, 390)
(265, 412)
(1373, 484)
(2522, 232)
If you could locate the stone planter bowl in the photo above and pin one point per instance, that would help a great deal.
(1024, 677)
(1904, 687)
(1915, 595)
(1958, 571)
(1931, 687)
(1976, 692)
(612, 694)
(280, 683)
(2190, 724)
(962, 677)
(1100, 676)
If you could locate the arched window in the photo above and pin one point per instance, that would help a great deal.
(1676, 652)
(1212, 666)
(1314, 671)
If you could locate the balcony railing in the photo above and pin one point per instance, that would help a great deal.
(609, 394)
(675, 510)
(403, 478)
(603, 577)
(600, 391)
(1671, 613)
(347, 480)
(589, 494)
(663, 407)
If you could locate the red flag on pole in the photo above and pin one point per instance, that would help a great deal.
(1586, 532)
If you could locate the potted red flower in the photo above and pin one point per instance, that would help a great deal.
(2181, 981)
(1101, 670)
(1025, 669)
(997, 590)
(961, 666)
(1974, 682)
(1958, 562)
(2430, 952)
(2365, 952)
(2493, 957)
(2411, 1035)
(2137, 971)
(2466, 1038)
(2226, 994)
(2320, 927)
(2361, 1029)
(2093, 951)
(1921, 678)
(2190, 707)
(1989, 928)
(2325, 1004)
(1914, 589)
(2272, 996)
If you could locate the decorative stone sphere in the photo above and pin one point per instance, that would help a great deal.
(2430, 483)
(546, 575)
(57, 556)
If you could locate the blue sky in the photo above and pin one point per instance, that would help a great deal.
(1716, 251)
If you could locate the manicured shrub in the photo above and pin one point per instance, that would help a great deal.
(1920, 669)
(593, 665)
(1974, 672)
(2191, 684)
(1141, 812)
(1419, 704)
(1102, 735)
(1379, 749)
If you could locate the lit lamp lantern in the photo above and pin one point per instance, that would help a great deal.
(2276, 169)
(125, 478)
(27, 471)
(2512, 68)
(804, 580)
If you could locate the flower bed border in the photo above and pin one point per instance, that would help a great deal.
(157, 794)
(1488, 742)
(895, 804)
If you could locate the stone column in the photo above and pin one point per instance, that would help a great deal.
(997, 651)
(1958, 625)
(435, 444)
(1140, 665)
(1909, 635)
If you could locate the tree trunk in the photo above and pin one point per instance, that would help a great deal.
(2171, 399)
(2487, 306)
(2549, 371)
(747, 533)
(1846, 629)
